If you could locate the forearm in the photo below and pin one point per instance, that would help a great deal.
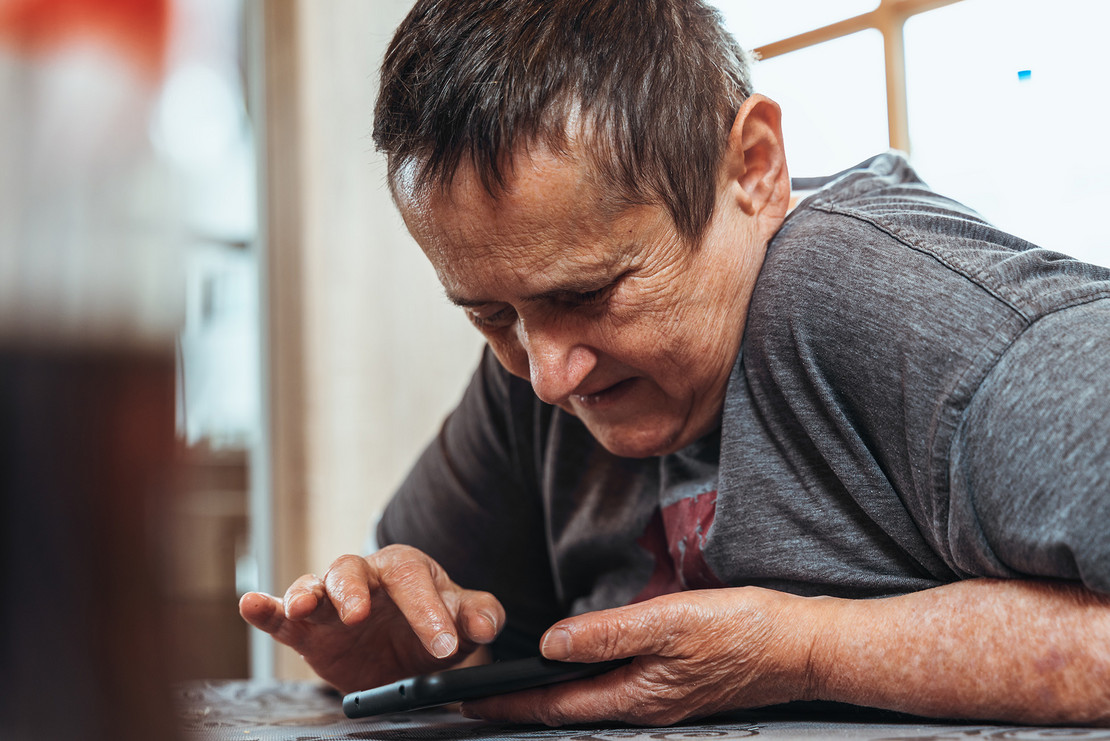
(1020, 651)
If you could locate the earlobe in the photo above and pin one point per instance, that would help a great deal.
(756, 159)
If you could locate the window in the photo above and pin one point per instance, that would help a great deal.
(831, 126)
(995, 101)
(1008, 114)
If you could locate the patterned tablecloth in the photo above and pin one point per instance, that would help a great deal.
(302, 711)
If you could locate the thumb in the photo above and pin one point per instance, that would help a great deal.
(620, 633)
(263, 611)
(267, 613)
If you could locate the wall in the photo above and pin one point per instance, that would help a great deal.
(366, 354)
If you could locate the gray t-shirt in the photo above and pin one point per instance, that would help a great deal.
(919, 398)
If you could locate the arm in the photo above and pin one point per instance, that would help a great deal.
(1023, 651)
(1017, 651)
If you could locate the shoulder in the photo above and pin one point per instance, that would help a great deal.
(882, 211)
(877, 252)
(882, 308)
(869, 271)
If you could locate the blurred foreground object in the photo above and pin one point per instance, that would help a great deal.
(90, 302)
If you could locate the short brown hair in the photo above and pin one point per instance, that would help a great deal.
(657, 83)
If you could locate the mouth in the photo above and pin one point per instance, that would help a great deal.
(604, 397)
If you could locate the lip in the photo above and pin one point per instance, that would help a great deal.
(604, 397)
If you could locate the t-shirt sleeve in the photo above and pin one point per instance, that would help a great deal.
(1030, 466)
(472, 502)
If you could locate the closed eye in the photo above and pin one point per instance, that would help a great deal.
(592, 297)
(499, 319)
(587, 298)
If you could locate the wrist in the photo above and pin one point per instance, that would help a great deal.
(818, 630)
(805, 645)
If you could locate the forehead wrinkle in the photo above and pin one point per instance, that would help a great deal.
(541, 246)
(471, 199)
(585, 273)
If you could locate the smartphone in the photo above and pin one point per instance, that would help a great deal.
(454, 685)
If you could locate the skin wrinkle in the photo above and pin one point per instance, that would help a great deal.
(669, 325)
(699, 652)
(345, 658)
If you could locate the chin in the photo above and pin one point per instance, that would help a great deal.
(635, 442)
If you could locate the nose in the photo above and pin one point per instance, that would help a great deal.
(558, 362)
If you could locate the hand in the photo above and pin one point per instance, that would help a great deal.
(698, 653)
(374, 620)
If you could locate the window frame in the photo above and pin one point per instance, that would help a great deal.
(889, 18)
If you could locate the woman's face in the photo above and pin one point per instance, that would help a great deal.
(608, 313)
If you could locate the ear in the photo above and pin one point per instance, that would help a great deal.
(755, 162)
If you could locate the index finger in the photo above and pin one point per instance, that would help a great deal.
(411, 579)
(417, 585)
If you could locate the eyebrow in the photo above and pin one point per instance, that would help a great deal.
(570, 288)
(464, 302)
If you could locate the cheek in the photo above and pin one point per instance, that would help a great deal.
(689, 349)
(510, 352)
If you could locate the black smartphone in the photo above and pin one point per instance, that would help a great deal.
(454, 685)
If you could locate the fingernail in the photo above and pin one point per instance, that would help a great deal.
(443, 645)
(466, 712)
(556, 644)
(491, 630)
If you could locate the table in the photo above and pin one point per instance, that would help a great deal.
(305, 711)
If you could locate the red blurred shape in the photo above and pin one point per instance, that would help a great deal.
(137, 29)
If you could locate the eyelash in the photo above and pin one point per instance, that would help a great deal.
(589, 298)
(596, 296)
(584, 299)
(497, 319)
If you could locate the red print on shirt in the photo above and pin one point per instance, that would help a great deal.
(675, 537)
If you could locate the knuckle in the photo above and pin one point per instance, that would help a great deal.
(272, 624)
(397, 552)
(656, 699)
(303, 583)
(341, 571)
(403, 573)
(486, 602)
(405, 560)
(346, 579)
(481, 597)
(610, 643)
(550, 706)
(346, 562)
(550, 715)
(609, 633)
